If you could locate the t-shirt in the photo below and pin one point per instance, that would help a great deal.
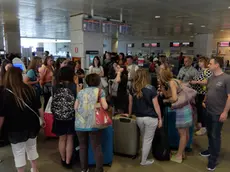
(143, 107)
(21, 124)
(218, 90)
(80, 72)
(85, 113)
(187, 74)
(71, 86)
(32, 75)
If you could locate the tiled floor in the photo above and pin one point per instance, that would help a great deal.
(49, 159)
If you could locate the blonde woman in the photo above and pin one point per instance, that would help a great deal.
(170, 88)
(32, 77)
(143, 102)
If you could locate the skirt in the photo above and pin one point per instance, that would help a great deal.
(184, 117)
(61, 128)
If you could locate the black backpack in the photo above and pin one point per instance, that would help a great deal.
(160, 145)
(62, 105)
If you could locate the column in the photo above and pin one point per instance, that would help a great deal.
(83, 41)
(203, 44)
(2, 47)
(12, 38)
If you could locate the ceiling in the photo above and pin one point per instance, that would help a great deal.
(50, 18)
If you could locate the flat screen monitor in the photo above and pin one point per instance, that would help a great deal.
(130, 45)
(19, 65)
(187, 44)
(145, 45)
(224, 44)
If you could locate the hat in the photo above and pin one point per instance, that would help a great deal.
(155, 59)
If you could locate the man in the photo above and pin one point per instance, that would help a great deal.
(217, 104)
(188, 72)
(132, 68)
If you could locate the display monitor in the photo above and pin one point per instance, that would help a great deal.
(224, 44)
(187, 44)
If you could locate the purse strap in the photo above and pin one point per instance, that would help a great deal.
(23, 102)
(99, 95)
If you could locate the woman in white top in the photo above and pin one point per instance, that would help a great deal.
(96, 67)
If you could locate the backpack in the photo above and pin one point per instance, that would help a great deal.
(152, 67)
(62, 106)
(132, 72)
(160, 145)
(111, 70)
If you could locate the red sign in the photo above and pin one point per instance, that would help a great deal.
(224, 44)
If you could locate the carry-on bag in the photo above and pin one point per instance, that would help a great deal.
(160, 145)
(173, 136)
(48, 117)
(107, 147)
(126, 136)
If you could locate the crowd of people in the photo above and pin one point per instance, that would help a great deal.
(117, 81)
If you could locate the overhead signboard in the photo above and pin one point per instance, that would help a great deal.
(187, 44)
(146, 45)
(155, 45)
(174, 44)
(130, 45)
(109, 27)
(90, 25)
(124, 29)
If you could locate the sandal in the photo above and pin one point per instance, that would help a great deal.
(175, 159)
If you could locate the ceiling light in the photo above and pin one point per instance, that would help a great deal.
(229, 7)
(191, 36)
(157, 17)
(202, 26)
(190, 24)
(221, 30)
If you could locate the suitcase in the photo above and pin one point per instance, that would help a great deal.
(126, 136)
(49, 118)
(107, 147)
(173, 136)
(49, 125)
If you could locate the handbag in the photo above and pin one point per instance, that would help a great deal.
(104, 82)
(184, 97)
(39, 118)
(101, 118)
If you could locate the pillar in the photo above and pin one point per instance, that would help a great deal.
(203, 44)
(83, 41)
(12, 38)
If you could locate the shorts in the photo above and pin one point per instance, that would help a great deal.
(21, 149)
(184, 118)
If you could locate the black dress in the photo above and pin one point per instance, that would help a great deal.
(61, 128)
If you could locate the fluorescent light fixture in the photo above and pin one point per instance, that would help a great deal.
(222, 30)
(190, 24)
(157, 17)
(191, 36)
(202, 26)
(229, 7)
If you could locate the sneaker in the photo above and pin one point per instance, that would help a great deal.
(205, 153)
(31, 170)
(175, 159)
(148, 162)
(211, 167)
(201, 132)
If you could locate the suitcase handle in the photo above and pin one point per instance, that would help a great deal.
(125, 120)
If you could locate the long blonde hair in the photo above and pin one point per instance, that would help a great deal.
(34, 64)
(165, 76)
(141, 79)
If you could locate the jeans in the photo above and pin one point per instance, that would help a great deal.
(214, 128)
(147, 127)
(95, 140)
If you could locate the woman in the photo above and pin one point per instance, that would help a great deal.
(83, 105)
(170, 88)
(199, 84)
(121, 59)
(6, 65)
(143, 102)
(79, 72)
(20, 113)
(96, 67)
(65, 129)
(61, 62)
(120, 85)
(31, 77)
(46, 76)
